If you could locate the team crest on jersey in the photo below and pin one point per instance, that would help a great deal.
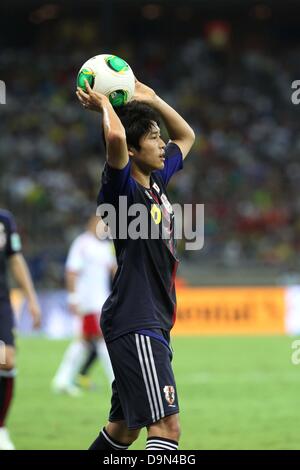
(156, 214)
(2, 236)
(156, 187)
(169, 392)
(166, 203)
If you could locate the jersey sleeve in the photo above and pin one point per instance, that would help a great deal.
(116, 183)
(173, 162)
(14, 244)
(75, 257)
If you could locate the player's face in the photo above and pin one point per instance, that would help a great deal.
(151, 155)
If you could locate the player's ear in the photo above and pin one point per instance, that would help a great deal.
(131, 151)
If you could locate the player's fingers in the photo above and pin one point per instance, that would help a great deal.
(87, 86)
(80, 98)
(82, 93)
(84, 102)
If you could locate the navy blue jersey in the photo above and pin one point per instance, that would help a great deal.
(9, 245)
(143, 293)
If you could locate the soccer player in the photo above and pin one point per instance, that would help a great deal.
(137, 317)
(89, 268)
(10, 254)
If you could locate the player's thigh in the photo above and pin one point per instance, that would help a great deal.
(144, 379)
(7, 357)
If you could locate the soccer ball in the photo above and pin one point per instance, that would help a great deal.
(109, 75)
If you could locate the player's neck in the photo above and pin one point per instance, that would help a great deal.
(91, 232)
(141, 177)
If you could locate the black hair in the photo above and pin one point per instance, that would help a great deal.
(137, 118)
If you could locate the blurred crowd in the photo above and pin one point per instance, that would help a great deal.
(244, 167)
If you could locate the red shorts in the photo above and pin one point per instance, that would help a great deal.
(90, 326)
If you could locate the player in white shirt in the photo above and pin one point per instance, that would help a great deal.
(90, 266)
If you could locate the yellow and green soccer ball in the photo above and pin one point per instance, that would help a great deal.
(110, 75)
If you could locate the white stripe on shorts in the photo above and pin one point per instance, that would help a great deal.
(137, 340)
(161, 406)
(150, 376)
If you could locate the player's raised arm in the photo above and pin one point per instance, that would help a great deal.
(178, 129)
(114, 132)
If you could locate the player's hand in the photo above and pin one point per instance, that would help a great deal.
(73, 303)
(143, 93)
(91, 99)
(74, 309)
(35, 312)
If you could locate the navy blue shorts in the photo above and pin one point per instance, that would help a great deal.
(7, 323)
(144, 389)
